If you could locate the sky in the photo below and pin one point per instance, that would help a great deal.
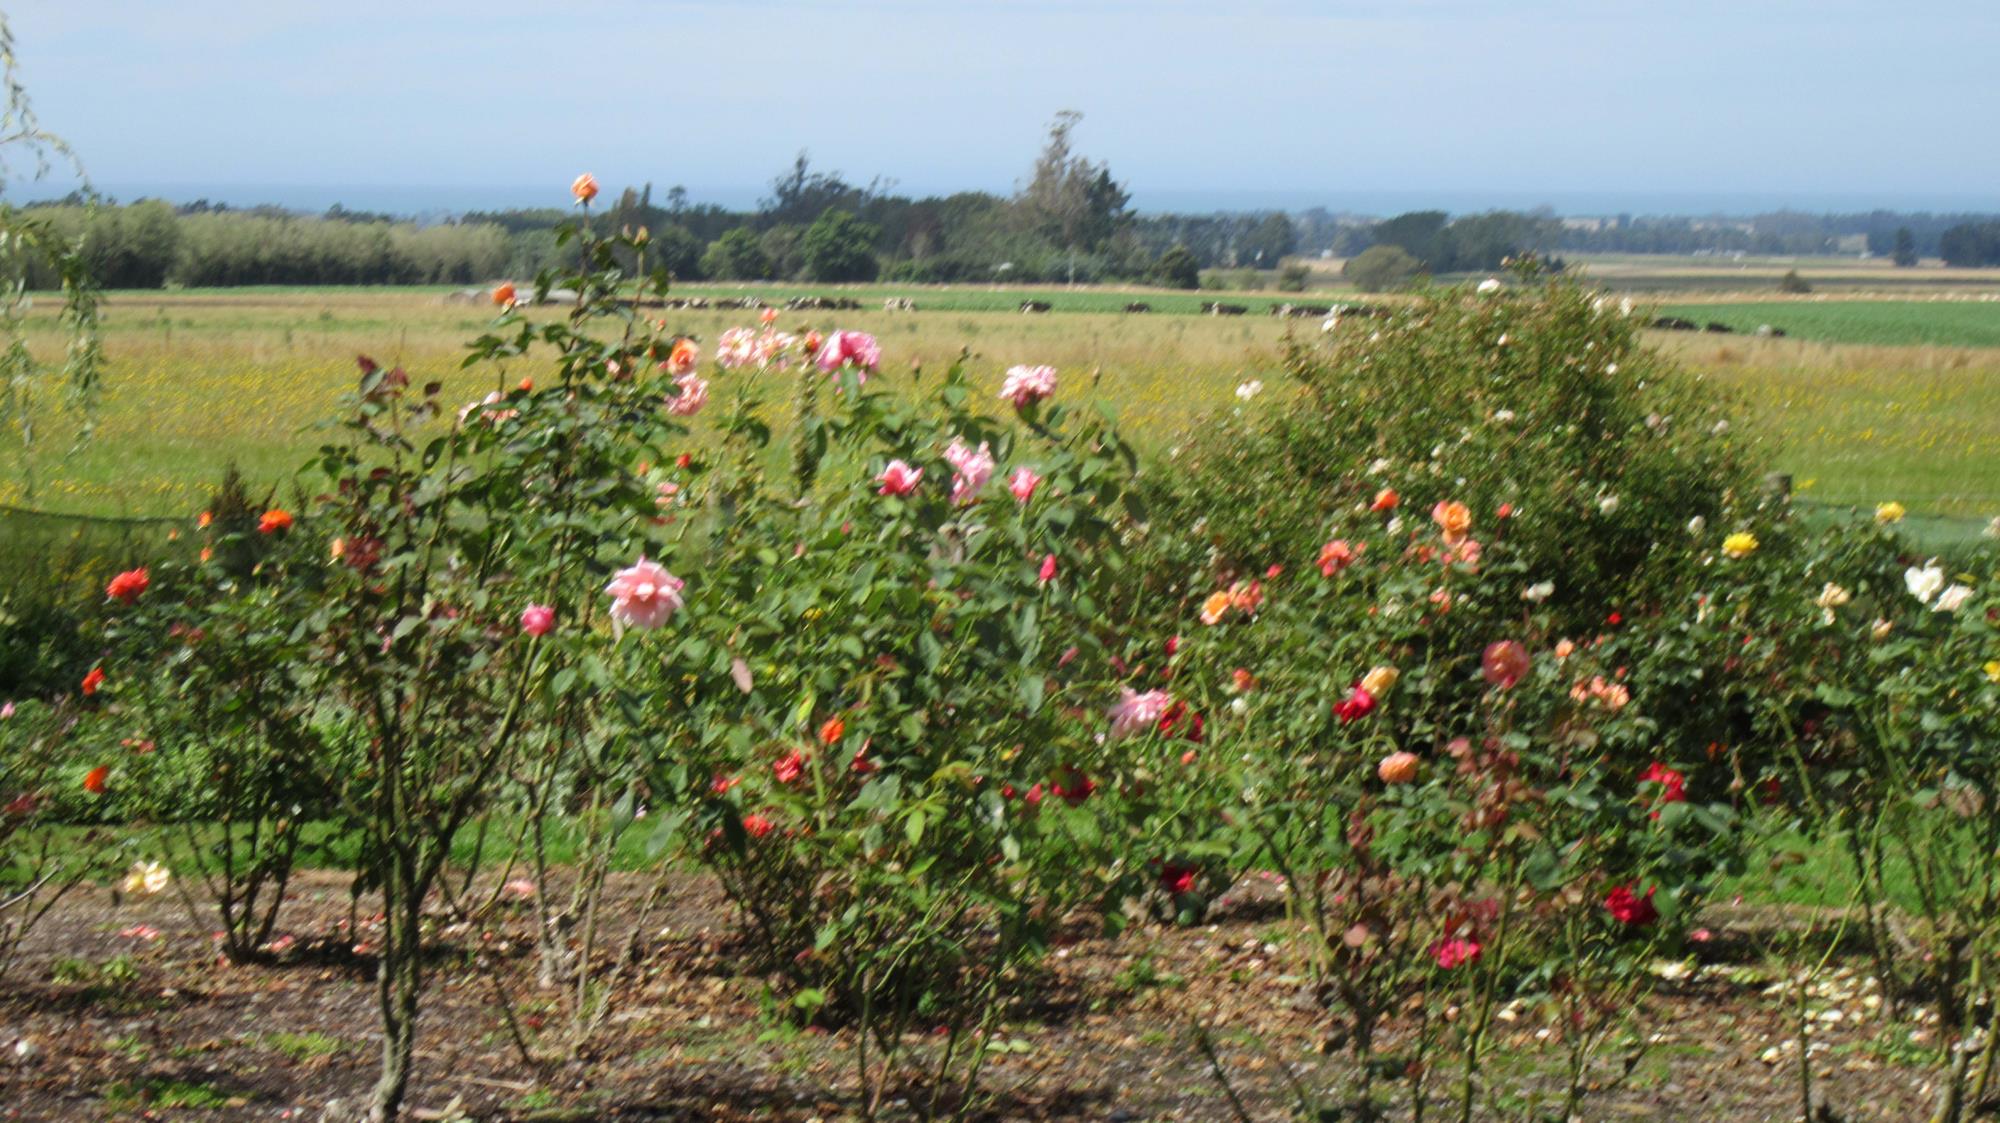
(1367, 105)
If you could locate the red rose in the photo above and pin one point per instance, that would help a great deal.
(1177, 879)
(756, 825)
(1358, 704)
(789, 767)
(128, 585)
(1629, 909)
(92, 681)
(1673, 784)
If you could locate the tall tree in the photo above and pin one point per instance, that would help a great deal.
(1906, 247)
(1070, 199)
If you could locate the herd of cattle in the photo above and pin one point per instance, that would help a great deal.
(906, 304)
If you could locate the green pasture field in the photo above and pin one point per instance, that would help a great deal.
(199, 378)
(1969, 322)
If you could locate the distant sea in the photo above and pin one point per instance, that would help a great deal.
(441, 201)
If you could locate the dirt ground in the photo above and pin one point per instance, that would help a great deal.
(122, 1010)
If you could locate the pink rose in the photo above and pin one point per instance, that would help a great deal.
(899, 478)
(537, 619)
(1136, 712)
(972, 469)
(1028, 385)
(850, 348)
(1048, 570)
(692, 395)
(1023, 483)
(644, 595)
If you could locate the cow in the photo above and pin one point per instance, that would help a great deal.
(899, 304)
(1138, 306)
(1035, 306)
(1718, 328)
(1225, 309)
(1674, 323)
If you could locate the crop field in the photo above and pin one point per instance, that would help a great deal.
(1865, 400)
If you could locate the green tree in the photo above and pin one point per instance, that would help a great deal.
(840, 247)
(784, 247)
(1270, 242)
(680, 251)
(1071, 200)
(737, 256)
(1418, 233)
(1793, 283)
(1906, 247)
(1379, 268)
(1177, 269)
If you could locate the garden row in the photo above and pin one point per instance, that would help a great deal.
(1481, 636)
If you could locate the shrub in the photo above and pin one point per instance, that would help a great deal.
(1467, 645)
(1793, 283)
(1381, 268)
(891, 693)
(1177, 269)
(1293, 277)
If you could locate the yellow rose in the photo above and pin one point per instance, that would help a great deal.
(1379, 680)
(1740, 544)
(1215, 607)
(1890, 512)
(1992, 670)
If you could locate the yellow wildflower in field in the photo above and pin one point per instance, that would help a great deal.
(1890, 512)
(1740, 544)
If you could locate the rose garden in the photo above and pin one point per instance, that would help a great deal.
(1479, 660)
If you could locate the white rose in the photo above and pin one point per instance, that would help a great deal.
(1833, 596)
(1250, 389)
(1697, 524)
(1607, 504)
(1538, 593)
(1950, 599)
(1490, 284)
(1924, 582)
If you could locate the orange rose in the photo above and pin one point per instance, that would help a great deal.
(274, 520)
(1385, 500)
(1398, 768)
(92, 681)
(684, 356)
(832, 730)
(504, 294)
(1215, 607)
(93, 780)
(585, 188)
(203, 520)
(1454, 518)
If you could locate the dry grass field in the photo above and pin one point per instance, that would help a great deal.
(199, 379)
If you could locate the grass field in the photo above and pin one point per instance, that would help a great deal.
(199, 378)
(1945, 323)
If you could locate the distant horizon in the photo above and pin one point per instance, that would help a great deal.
(435, 201)
(1698, 108)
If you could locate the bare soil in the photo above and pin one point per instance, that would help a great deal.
(171, 1031)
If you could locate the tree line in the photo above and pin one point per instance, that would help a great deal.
(152, 244)
(1071, 221)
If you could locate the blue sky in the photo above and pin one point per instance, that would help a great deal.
(1373, 105)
